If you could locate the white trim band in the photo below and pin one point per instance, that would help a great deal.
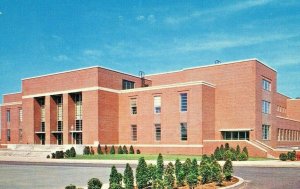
(288, 118)
(11, 103)
(240, 129)
(159, 145)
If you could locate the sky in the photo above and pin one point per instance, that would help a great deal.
(42, 37)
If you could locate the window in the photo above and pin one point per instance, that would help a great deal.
(8, 134)
(78, 106)
(157, 104)
(78, 125)
(183, 102)
(42, 126)
(127, 84)
(20, 134)
(157, 132)
(183, 130)
(43, 113)
(266, 107)
(265, 132)
(235, 135)
(133, 106)
(20, 115)
(133, 132)
(7, 116)
(59, 126)
(59, 108)
(266, 85)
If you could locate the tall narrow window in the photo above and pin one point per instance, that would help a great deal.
(133, 132)
(78, 106)
(266, 85)
(59, 113)
(133, 106)
(157, 132)
(183, 130)
(157, 104)
(20, 134)
(265, 132)
(266, 107)
(7, 116)
(20, 115)
(183, 102)
(8, 134)
(127, 84)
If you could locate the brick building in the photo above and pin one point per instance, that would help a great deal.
(190, 111)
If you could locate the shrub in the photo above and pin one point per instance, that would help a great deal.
(226, 147)
(158, 184)
(228, 169)
(131, 150)
(246, 151)
(283, 157)
(72, 152)
(291, 155)
(151, 172)
(192, 180)
(94, 183)
(52, 155)
(179, 173)
(99, 150)
(86, 150)
(71, 186)
(59, 154)
(228, 155)
(142, 178)
(67, 154)
(138, 151)
(217, 154)
(92, 152)
(105, 149)
(160, 166)
(48, 156)
(242, 157)
(186, 166)
(128, 177)
(120, 150)
(222, 151)
(210, 170)
(194, 167)
(238, 150)
(115, 178)
(169, 176)
(125, 150)
(112, 150)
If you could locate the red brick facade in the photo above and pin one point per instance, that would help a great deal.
(220, 102)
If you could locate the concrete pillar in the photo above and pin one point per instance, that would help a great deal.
(68, 118)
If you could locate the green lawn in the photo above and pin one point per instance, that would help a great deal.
(147, 157)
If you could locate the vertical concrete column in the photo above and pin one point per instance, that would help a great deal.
(68, 118)
(51, 119)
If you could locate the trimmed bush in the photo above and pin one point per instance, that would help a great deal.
(210, 170)
(218, 155)
(283, 157)
(160, 166)
(187, 166)
(222, 150)
(192, 180)
(158, 184)
(71, 186)
(194, 168)
(94, 183)
(179, 174)
(228, 155)
(242, 157)
(131, 150)
(125, 151)
(120, 150)
(112, 150)
(291, 155)
(106, 149)
(246, 151)
(169, 176)
(99, 150)
(151, 172)
(86, 150)
(228, 170)
(142, 176)
(115, 178)
(48, 156)
(59, 155)
(138, 151)
(226, 147)
(72, 152)
(128, 177)
(238, 150)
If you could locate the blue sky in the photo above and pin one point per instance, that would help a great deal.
(40, 37)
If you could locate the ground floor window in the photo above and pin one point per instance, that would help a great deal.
(157, 132)
(20, 134)
(235, 135)
(77, 138)
(183, 130)
(133, 132)
(8, 134)
(265, 132)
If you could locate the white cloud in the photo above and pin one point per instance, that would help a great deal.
(140, 18)
(61, 58)
(92, 52)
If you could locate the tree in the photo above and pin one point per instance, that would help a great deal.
(217, 154)
(246, 151)
(186, 166)
(192, 180)
(142, 176)
(169, 176)
(106, 149)
(115, 178)
(222, 151)
(131, 150)
(120, 150)
(94, 183)
(99, 150)
(228, 169)
(179, 173)
(125, 150)
(238, 150)
(128, 177)
(194, 167)
(152, 172)
(160, 166)
(227, 146)
(112, 150)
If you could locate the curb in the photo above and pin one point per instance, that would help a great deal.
(237, 185)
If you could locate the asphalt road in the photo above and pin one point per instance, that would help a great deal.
(17, 175)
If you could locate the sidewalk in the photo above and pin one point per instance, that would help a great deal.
(266, 163)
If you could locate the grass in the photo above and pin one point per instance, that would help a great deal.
(167, 157)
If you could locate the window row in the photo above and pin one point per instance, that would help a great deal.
(157, 104)
(158, 132)
(266, 107)
(281, 109)
(8, 117)
(288, 135)
(266, 85)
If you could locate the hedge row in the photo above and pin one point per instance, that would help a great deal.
(121, 150)
(227, 152)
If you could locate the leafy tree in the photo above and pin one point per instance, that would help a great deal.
(228, 169)
(194, 167)
(291, 155)
(94, 183)
(142, 176)
(169, 176)
(112, 150)
(106, 149)
(120, 150)
(246, 151)
(159, 166)
(131, 150)
(125, 150)
(152, 172)
(115, 178)
(128, 177)
(99, 150)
